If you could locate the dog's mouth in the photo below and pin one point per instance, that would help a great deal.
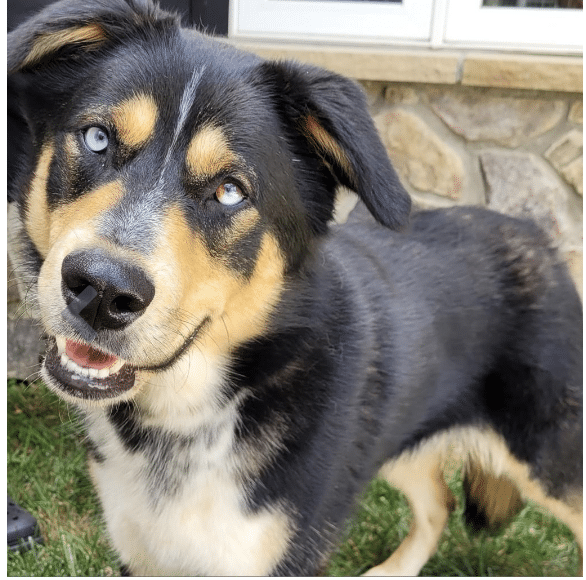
(86, 372)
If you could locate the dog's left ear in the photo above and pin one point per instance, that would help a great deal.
(330, 111)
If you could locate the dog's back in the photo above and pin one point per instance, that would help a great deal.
(495, 378)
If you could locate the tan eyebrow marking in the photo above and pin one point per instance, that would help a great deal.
(209, 153)
(135, 119)
(90, 34)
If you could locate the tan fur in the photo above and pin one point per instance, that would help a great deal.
(420, 478)
(324, 142)
(242, 223)
(46, 44)
(485, 450)
(207, 287)
(209, 153)
(135, 119)
(247, 307)
(37, 209)
(500, 498)
(83, 211)
(71, 151)
(45, 226)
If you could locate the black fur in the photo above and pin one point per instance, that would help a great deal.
(384, 335)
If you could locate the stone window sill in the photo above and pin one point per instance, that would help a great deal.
(416, 65)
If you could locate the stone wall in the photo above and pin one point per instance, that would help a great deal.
(519, 152)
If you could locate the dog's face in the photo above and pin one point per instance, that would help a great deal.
(181, 181)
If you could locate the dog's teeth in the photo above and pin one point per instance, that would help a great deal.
(115, 367)
(88, 372)
(61, 342)
(71, 366)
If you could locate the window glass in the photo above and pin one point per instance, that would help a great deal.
(537, 26)
(340, 21)
(534, 3)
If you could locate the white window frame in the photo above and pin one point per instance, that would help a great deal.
(429, 23)
(468, 23)
(341, 22)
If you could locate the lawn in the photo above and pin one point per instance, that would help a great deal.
(48, 477)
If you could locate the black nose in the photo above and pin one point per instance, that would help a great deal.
(124, 291)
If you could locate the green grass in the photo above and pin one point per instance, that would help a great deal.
(532, 545)
(48, 477)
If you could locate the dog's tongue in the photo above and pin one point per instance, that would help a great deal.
(88, 357)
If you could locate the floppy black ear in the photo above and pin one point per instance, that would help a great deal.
(330, 111)
(66, 30)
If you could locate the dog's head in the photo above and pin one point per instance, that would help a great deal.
(169, 186)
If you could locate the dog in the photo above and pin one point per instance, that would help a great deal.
(243, 366)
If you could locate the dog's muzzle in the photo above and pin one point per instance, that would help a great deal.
(101, 293)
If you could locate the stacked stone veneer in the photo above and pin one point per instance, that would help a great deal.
(519, 152)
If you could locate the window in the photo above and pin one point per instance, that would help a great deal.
(534, 25)
(332, 19)
(531, 25)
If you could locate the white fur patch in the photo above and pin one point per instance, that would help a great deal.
(184, 107)
(202, 527)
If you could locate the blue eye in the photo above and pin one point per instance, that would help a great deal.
(96, 139)
(229, 194)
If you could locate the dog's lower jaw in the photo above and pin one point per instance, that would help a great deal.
(83, 374)
(74, 384)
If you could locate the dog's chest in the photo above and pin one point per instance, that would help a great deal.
(179, 508)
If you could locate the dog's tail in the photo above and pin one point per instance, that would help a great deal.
(491, 501)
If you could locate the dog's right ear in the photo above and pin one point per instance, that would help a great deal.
(68, 30)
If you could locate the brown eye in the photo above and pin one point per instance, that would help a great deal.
(229, 194)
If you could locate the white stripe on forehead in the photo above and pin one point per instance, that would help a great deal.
(134, 222)
(184, 107)
(187, 99)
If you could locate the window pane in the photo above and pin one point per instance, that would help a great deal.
(339, 21)
(534, 3)
(370, 1)
(505, 23)
(393, 1)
